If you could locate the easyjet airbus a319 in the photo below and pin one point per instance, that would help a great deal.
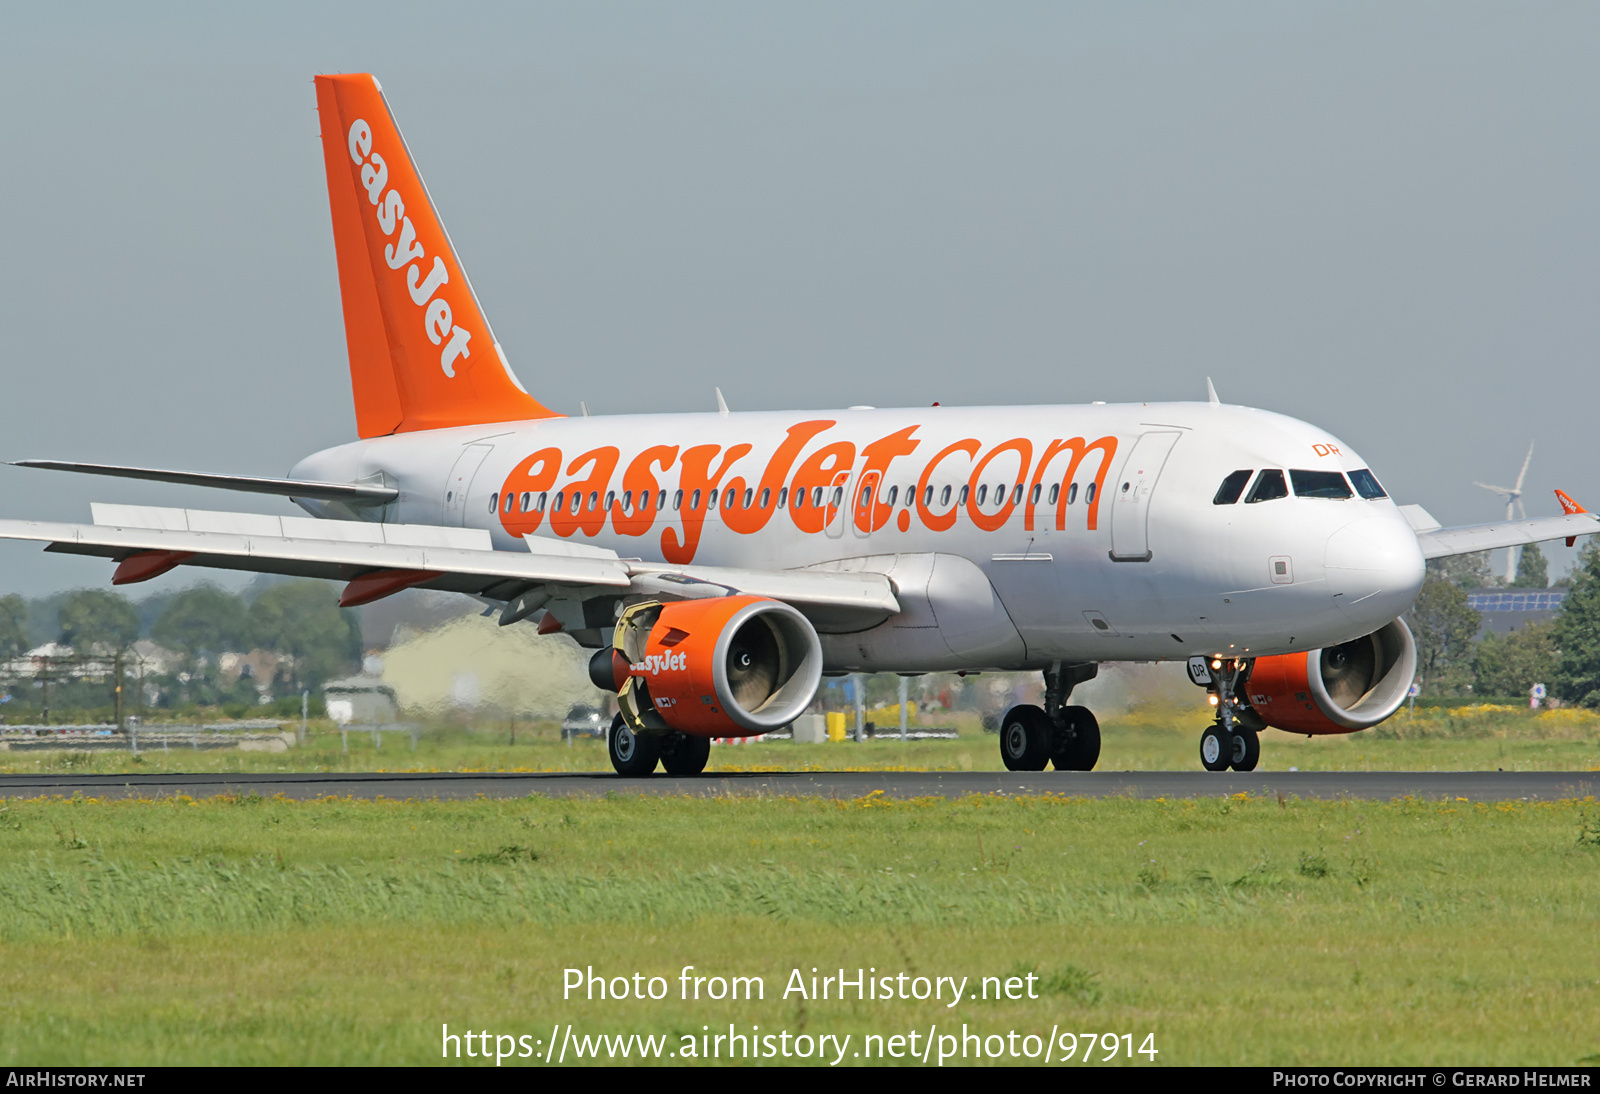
(721, 564)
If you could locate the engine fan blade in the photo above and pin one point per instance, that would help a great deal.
(753, 664)
(1347, 670)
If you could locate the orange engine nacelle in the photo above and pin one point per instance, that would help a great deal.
(729, 666)
(1339, 689)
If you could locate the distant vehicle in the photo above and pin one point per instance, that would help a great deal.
(584, 721)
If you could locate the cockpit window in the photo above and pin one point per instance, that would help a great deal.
(1231, 488)
(1319, 484)
(1269, 487)
(1367, 485)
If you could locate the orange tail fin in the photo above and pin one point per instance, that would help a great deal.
(422, 355)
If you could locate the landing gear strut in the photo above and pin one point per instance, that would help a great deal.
(1067, 737)
(1228, 743)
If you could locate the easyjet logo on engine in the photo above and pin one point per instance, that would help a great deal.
(657, 663)
(407, 254)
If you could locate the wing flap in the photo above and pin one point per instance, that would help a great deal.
(461, 569)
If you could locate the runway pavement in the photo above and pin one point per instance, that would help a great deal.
(1381, 785)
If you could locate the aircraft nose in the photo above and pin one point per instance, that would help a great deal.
(1374, 568)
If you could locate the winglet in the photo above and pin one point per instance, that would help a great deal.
(1569, 507)
(1211, 393)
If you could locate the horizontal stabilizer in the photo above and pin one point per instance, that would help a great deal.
(348, 493)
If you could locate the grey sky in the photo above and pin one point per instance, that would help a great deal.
(1380, 218)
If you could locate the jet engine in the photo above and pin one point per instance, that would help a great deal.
(730, 666)
(1339, 689)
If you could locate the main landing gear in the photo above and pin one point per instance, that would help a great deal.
(1066, 737)
(635, 755)
(1229, 743)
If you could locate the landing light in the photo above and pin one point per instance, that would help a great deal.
(1212, 699)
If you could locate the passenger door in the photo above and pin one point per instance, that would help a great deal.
(459, 484)
(1130, 498)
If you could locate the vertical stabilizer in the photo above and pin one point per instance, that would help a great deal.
(422, 354)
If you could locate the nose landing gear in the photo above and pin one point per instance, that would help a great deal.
(1228, 743)
(1066, 737)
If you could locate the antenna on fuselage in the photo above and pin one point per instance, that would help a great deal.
(722, 404)
(1211, 393)
(583, 406)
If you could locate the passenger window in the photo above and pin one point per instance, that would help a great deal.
(944, 496)
(838, 496)
(1270, 486)
(494, 503)
(1232, 487)
(527, 501)
(627, 500)
(749, 496)
(611, 500)
(1038, 488)
(1055, 492)
(677, 500)
(927, 496)
(962, 500)
(594, 499)
(1319, 484)
(1366, 485)
(983, 494)
(894, 493)
(711, 500)
(911, 495)
(766, 496)
(1016, 494)
(661, 500)
(543, 497)
(561, 500)
(729, 497)
(816, 497)
(1088, 495)
(783, 497)
(866, 496)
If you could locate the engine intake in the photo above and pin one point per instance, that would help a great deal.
(1339, 689)
(729, 666)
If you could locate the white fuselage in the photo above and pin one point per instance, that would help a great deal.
(1146, 567)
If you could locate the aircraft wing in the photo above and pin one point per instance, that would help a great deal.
(1438, 542)
(377, 559)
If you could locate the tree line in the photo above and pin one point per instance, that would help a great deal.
(1562, 653)
(300, 622)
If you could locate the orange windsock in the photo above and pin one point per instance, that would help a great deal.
(422, 354)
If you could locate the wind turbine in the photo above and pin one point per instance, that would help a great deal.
(1513, 496)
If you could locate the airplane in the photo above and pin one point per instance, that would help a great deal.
(720, 564)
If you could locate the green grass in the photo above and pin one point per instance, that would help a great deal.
(1151, 738)
(1241, 930)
